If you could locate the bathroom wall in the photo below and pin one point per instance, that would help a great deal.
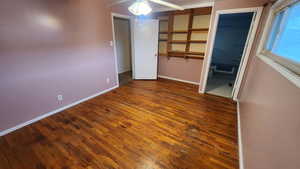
(231, 36)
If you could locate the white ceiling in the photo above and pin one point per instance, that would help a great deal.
(156, 7)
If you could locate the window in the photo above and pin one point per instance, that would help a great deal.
(282, 43)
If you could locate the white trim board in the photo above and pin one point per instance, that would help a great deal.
(286, 73)
(4, 132)
(188, 6)
(247, 47)
(180, 80)
(241, 157)
(212, 24)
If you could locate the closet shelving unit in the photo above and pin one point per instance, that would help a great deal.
(184, 33)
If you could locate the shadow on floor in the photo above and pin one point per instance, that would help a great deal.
(125, 78)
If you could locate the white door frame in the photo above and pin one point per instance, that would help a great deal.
(247, 48)
(130, 19)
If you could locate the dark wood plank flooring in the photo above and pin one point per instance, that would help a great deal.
(142, 125)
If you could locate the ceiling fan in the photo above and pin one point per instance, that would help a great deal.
(142, 7)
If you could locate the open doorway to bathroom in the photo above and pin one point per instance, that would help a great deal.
(229, 47)
(122, 35)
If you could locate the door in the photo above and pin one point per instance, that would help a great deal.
(243, 62)
(145, 47)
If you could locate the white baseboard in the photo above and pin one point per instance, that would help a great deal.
(180, 80)
(4, 132)
(241, 158)
(201, 91)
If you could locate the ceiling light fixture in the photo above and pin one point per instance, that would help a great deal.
(140, 7)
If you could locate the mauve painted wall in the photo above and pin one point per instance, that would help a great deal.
(184, 69)
(51, 47)
(270, 120)
(270, 117)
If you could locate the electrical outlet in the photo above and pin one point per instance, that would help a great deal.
(107, 80)
(59, 97)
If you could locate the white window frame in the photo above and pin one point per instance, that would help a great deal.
(285, 67)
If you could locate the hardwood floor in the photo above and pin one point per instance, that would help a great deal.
(142, 125)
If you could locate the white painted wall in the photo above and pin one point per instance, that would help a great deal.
(122, 37)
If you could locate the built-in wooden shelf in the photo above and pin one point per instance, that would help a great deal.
(199, 30)
(177, 54)
(195, 56)
(179, 41)
(163, 32)
(197, 41)
(189, 53)
(185, 41)
(183, 54)
(196, 53)
(176, 51)
(174, 31)
(180, 31)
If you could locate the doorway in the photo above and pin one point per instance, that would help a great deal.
(231, 36)
(232, 39)
(122, 40)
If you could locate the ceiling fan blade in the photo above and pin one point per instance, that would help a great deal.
(168, 4)
(119, 2)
